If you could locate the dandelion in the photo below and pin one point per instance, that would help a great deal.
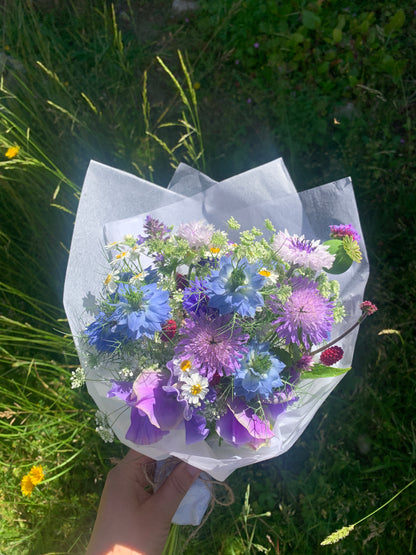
(36, 475)
(12, 152)
(27, 485)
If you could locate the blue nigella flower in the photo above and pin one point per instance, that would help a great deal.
(258, 373)
(103, 335)
(141, 311)
(235, 288)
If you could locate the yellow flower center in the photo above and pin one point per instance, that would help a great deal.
(108, 279)
(121, 254)
(185, 365)
(196, 389)
(214, 250)
(265, 273)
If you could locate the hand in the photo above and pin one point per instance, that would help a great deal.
(131, 520)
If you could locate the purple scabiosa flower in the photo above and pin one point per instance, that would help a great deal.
(214, 344)
(198, 234)
(235, 288)
(306, 317)
(195, 298)
(302, 252)
(258, 373)
(340, 231)
(140, 311)
(240, 425)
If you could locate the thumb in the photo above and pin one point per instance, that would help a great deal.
(168, 497)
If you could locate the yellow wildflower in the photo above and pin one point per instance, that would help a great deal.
(12, 152)
(36, 475)
(27, 485)
(215, 250)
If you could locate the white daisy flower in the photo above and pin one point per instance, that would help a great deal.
(194, 388)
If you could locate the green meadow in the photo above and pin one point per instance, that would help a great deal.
(330, 87)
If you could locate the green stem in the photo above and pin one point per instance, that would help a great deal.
(349, 330)
(386, 503)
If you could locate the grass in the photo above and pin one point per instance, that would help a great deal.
(330, 87)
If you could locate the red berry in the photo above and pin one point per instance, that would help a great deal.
(168, 330)
(332, 355)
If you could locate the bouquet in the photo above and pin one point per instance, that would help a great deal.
(213, 320)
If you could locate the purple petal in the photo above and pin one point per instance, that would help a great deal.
(240, 426)
(123, 391)
(141, 431)
(195, 429)
(162, 408)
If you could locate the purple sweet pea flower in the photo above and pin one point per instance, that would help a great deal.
(160, 406)
(241, 426)
(141, 431)
(196, 429)
(154, 411)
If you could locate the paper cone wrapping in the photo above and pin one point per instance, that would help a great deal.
(114, 203)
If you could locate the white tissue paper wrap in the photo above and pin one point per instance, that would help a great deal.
(114, 203)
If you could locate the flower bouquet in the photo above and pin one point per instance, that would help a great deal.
(213, 319)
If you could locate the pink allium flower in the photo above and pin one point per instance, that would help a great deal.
(198, 234)
(368, 308)
(298, 250)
